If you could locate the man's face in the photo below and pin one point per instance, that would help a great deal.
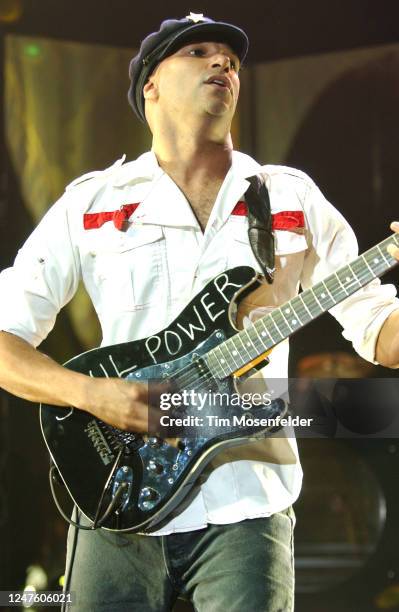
(198, 78)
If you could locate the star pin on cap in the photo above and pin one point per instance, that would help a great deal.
(195, 17)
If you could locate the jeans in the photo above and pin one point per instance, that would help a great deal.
(240, 567)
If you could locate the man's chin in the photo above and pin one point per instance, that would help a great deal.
(219, 109)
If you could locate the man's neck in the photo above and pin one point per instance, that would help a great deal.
(193, 155)
(197, 167)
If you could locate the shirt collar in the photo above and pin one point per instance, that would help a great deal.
(165, 204)
(244, 165)
(145, 167)
(233, 189)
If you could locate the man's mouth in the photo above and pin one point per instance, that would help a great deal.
(221, 82)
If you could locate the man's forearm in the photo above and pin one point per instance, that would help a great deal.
(26, 372)
(387, 349)
(30, 374)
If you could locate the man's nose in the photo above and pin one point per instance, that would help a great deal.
(221, 61)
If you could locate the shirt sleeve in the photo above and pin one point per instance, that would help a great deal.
(44, 277)
(332, 245)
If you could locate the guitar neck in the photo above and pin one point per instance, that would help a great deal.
(282, 322)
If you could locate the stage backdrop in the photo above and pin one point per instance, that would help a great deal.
(335, 117)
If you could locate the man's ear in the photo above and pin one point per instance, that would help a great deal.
(150, 90)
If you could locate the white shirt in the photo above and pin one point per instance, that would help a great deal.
(141, 278)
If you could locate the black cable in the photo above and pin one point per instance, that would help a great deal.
(98, 521)
(77, 526)
(60, 510)
(115, 500)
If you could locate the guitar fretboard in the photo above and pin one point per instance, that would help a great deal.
(282, 322)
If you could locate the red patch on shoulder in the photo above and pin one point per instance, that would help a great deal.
(96, 220)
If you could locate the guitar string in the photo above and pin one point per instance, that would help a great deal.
(363, 277)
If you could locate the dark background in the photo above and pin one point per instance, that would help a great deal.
(30, 531)
(277, 28)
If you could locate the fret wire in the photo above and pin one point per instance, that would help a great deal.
(243, 361)
(245, 348)
(262, 334)
(309, 293)
(284, 312)
(332, 289)
(379, 269)
(250, 339)
(365, 278)
(336, 290)
(328, 291)
(251, 357)
(293, 321)
(304, 303)
(333, 285)
(215, 353)
(365, 274)
(259, 343)
(228, 352)
(214, 366)
(299, 309)
(341, 284)
(232, 350)
(279, 313)
(346, 272)
(267, 331)
(254, 337)
(219, 369)
(321, 293)
(383, 254)
(276, 326)
(314, 294)
(359, 269)
(391, 261)
(374, 260)
(365, 260)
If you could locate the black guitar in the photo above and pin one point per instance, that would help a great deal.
(123, 481)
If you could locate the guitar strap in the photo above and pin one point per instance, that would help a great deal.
(260, 232)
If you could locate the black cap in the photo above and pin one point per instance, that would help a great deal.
(172, 35)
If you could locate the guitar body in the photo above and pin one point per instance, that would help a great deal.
(127, 482)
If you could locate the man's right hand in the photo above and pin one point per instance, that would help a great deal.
(120, 403)
(32, 375)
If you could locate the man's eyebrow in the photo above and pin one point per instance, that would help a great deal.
(196, 43)
(206, 42)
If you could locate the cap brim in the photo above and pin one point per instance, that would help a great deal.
(220, 32)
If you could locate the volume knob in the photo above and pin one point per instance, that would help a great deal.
(154, 442)
(148, 494)
(155, 467)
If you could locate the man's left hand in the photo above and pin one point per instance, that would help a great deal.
(392, 249)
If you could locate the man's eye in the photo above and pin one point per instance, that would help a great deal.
(198, 52)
